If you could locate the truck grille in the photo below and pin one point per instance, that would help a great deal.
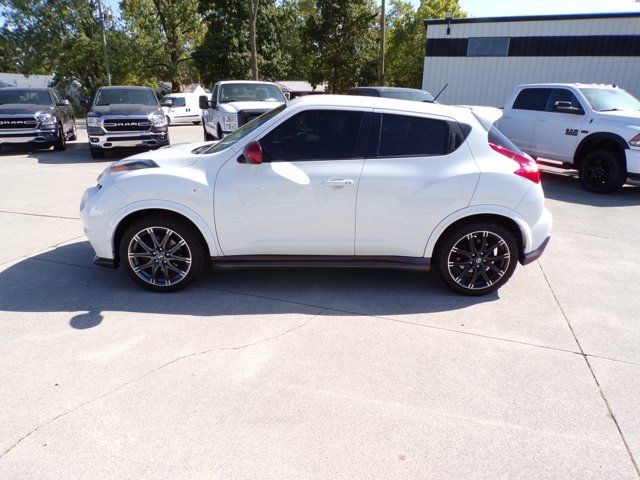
(245, 116)
(14, 123)
(126, 124)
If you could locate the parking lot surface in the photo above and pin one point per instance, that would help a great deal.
(298, 374)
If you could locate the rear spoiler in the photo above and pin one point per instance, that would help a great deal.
(487, 116)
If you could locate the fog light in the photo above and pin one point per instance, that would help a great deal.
(93, 140)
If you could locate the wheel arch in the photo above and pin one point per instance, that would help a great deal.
(125, 217)
(509, 218)
(599, 140)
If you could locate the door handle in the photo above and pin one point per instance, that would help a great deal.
(544, 120)
(337, 182)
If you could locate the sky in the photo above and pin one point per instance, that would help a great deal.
(499, 8)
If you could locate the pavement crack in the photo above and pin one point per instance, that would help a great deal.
(155, 370)
(593, 374)
(40, 215)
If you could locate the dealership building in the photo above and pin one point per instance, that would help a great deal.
(483, 59)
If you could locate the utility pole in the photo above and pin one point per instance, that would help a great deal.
(382, 25)
(104, 42)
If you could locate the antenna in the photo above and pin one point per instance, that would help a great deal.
(440, 92)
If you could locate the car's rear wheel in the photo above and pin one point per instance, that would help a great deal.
(602, 171)
(477, 258)
(162, 254)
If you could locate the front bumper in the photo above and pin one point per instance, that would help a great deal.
(633, 161)
(37, 136)
(129, 139)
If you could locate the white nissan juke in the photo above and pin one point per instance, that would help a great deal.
(328, 181)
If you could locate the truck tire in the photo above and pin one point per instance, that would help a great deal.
(74, 132)
(60, 145)
(219, 133)
(207, 136)
(96, 152)
(602, 171)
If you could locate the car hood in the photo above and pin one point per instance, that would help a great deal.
(627, 117)
(125, 109)
(233, 107)
(176, 156)
(22, 109)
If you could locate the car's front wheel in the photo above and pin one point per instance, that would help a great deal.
(207, 136)
(477, 258)
(60, 145)
(602, 171)
(162, 254)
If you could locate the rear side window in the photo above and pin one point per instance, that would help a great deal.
(532, 99)
(497, 138)
(405, 136)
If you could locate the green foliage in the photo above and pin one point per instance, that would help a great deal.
(225, 52)
(405, 46)
(342, 41)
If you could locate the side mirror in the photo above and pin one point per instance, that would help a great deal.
(566, 107)
(64, 103)
(84, 102)
(167, 103)
(252, 153)
(287, 95)
(203, 102)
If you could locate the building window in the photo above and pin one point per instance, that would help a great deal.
(488, 47)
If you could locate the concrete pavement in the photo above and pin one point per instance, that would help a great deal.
(313, 374)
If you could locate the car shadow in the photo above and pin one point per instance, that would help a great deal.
(564, 186)
(65, 280)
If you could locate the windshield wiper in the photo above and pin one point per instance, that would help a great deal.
(102, 104)
(612, 110)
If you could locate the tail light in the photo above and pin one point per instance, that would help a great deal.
(529, 169)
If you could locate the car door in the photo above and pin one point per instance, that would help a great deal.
(417, 172)
(301, 200)
(557, 129)
(519, 122)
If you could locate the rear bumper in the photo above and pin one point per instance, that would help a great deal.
(28, 136)
(527, 258)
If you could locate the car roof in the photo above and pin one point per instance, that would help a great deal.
(392, 89)
(359, 101)
(564, 85)
(42, 89)
(224, 82)
(137, 87)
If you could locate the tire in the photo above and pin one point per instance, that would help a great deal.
(168, 121)
(219, 132)
(74, 132)
(207, 136)
(60, 145)
(96, 152)
(162, 274)
(602, 171)
(196, 123)
(462, 256)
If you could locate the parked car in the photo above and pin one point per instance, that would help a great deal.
(592, 128)
(328, 181)
(36, 116)
(234, 103)
(185, 108)
(394, 92)
(126, 117)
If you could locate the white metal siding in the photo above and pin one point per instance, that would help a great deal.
(490, 80)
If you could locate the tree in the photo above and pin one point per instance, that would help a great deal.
(342, 41)
(165, 33)
(253, 18)
(406, 39)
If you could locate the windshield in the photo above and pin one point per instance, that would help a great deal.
(416, 96)
(115, 96)
(26, 97)
(610, 99)
(250, 92)
(244, 130)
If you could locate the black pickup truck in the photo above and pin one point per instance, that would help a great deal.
(36, 116)
(126, 117)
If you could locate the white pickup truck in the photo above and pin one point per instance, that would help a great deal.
(234, 103)
(592, 128)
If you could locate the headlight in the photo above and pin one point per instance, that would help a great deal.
(93, 121)
(230, 122)
(131, 165)
(158, 120)
(635, 141)
(46, 119)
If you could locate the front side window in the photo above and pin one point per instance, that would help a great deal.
(405, 136)
(177, 101)
(25, 97)
(314, 135)
(120, 96)
(243, 131)
(250, 92)
(532, 99)
(610, 99)
(562, 95)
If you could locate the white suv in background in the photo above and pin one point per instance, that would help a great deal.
(328, 181)
(593, 128)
